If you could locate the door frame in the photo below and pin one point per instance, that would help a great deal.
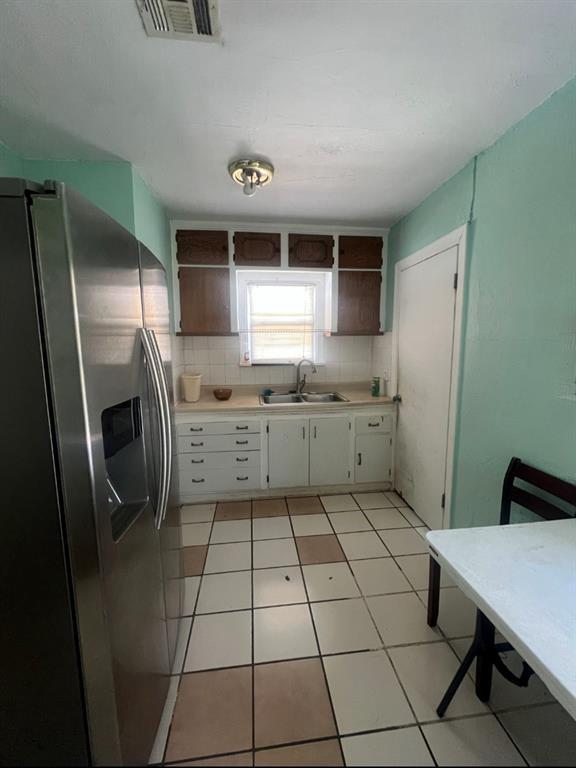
(458, 238)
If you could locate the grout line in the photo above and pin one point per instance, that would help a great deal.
(310, 613)
(181, 673)
(252, 627)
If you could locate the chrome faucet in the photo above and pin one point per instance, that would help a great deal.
(301, 382)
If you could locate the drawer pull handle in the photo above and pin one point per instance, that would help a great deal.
(197, 461)
(201, 480)
(242, 478)
(359, 459)
(244, 427)
(196, 429)
(241, 442)
(243, 458)
(196, 445)
(370, 424)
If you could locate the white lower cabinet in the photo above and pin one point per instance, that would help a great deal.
(373, 458)
(288, 453)
(330, 450)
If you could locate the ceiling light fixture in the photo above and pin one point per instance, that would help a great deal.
(252, 174)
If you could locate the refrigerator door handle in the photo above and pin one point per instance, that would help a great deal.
(154, 375)
(167, 419)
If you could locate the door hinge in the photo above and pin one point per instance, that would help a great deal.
(455, 280)
(390, 472)
(443, 500)
(348, 473)
(390, 441)
(180, 324)
(267, 428)
(267, 478)
(349, 425)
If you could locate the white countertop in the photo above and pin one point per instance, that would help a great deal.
(247, 399)
(523, 577)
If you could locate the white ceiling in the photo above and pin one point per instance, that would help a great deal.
(364, 107)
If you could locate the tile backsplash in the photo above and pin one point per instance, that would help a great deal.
(345, 358)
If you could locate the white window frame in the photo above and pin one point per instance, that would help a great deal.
(320, 279)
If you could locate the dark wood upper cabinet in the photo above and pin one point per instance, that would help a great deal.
(310, 251)
(256, 249)
(202, 246)
(204, 301)
(359, 252)
(359, 303)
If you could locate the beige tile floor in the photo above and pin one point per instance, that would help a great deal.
(305, 642)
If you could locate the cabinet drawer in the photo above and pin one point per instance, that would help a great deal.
(251, 426)
(211, 480)
(201, 461)
(209, 443)
(365, 425)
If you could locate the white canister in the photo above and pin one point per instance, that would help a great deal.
(191, 386)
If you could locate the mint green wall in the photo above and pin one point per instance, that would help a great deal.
(151, 224)
(108, 184)
(519, 363)
(446, 209)
(113, 186)
(10, 162)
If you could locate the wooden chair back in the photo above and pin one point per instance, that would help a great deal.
(551, 485)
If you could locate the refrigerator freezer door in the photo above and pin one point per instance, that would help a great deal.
(156, 312)
(42, 716)
(91, 295)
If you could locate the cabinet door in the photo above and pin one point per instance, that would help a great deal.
(359, 303)
(330, 450)
(288, 453)
(359, 252)
(310, 251)
(373, 458)
(256, 249)
(204, 300)
(202, 246)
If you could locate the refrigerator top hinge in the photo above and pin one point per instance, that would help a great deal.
(443, 504)
(455, 280)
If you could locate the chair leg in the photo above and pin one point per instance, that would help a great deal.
(485, 639)
(433, 592)
(457, 679)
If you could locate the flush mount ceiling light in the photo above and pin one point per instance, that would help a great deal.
(252, 174)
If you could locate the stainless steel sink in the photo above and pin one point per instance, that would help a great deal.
(280, 399)
(324, 397)
(305, 398)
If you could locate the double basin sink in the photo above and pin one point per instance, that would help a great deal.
(293, 398)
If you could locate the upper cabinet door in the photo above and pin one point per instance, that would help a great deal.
(256, 249)
(202, 246)
(310, 251)
(359, 252)
(359, 303)
(204, 301)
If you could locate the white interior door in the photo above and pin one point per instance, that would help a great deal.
(425, 317)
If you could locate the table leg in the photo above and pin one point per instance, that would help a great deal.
(485, 661)
(433, 592)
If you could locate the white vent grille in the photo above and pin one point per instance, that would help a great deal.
(181, 19)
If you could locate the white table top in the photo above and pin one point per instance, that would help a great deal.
(523, 578)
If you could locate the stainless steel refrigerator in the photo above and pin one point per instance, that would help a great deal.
(90, 541)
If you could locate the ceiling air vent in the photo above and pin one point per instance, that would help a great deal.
(181, 19)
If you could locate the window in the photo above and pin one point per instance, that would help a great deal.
(282, 315)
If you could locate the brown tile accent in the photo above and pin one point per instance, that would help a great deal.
(291, 703)
(305, 505)
(316, 753)
(242, 758)
(213, 714)
(193, 559)
(233, 510)
(269, 508)
(319, 549)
